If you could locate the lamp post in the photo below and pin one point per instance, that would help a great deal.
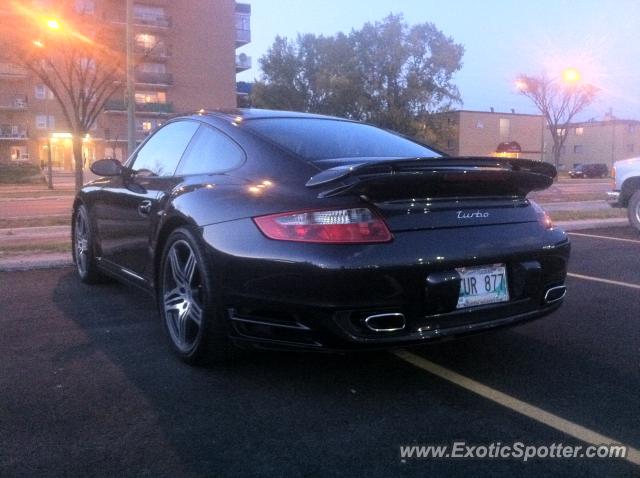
(131, 104)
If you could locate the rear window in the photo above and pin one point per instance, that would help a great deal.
(317, 139)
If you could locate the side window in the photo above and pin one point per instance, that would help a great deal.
(211, 151)
(161, 154)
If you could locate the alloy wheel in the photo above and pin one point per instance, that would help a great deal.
(182, 293)
(81, 243)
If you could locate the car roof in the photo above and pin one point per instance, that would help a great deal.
(235, 114)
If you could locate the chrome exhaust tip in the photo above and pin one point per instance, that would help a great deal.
(391, 322)
(554, 294)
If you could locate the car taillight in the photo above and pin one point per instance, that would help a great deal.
(340, 226)
(543, 216)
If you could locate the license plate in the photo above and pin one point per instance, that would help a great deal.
(482, 285)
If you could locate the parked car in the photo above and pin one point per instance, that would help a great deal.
(285, 230)
(626, 188)
(595, 170)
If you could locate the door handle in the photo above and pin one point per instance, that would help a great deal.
(144, 207)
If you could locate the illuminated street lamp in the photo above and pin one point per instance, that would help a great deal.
(571, 76)
(53, 24)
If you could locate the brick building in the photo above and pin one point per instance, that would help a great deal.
(604, 141)
(190, 62)
(489, 133)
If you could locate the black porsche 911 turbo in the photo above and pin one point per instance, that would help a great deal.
(288, 230)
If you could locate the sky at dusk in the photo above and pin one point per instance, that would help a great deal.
(502, 38)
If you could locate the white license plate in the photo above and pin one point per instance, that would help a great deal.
(482, 285)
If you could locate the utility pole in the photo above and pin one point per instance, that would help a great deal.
(131, 95)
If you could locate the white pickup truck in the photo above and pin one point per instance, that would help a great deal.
(626, 192)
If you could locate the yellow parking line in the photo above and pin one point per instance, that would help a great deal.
(524, 408)
(603, 237)
(605, 281)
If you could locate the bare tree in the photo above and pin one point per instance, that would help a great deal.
(78, 57)
(559, 100)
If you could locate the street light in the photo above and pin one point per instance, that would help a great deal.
(571, 76)
(53, 24)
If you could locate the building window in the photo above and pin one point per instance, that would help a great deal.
(577, 149)
(42, 92)
(505, 126)
(87, 7)
(579, 131)
(150, 14)
(41, 122)
(631, 128)
(450, 144)
(19, 153)
(152, 68)
(479, 125)
(87, 64)
(45, 122)
(561, 131)
(629, 148)
(146, 41)
(151, 97)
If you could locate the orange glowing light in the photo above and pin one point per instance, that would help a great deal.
(53, 24)
(571, 75)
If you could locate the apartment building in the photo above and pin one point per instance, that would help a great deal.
(604, 141)
(489, 133)
(189, 59)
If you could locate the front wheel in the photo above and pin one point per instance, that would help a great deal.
(633, 210)
(189, 303)
(83, 248)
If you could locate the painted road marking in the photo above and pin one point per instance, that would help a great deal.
(635, 241)
(605, 281)
(524, 408)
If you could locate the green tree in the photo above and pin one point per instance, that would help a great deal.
(387, 73)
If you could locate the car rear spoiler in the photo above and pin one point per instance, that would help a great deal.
(435, 177)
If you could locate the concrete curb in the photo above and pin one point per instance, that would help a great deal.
(35, 261)
(592, 224)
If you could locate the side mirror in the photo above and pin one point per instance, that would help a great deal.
(107, 167)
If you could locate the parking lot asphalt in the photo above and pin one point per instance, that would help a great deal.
(89, 388)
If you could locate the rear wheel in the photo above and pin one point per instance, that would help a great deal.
(189, 303)
(633, 210)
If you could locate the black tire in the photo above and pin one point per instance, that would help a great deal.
(633, 210)
(189, 302)
(83, 247)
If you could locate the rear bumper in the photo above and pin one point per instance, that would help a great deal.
(318, 297)
(613, 198)
(330, 333)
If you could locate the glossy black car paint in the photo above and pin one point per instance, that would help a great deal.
(315, 296)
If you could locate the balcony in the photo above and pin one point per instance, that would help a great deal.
(243, 62)
(158, 52)
(243, 24)
(151, 78)
(153, 21)
(13, 132)
(13, 103)
(12, 72)
(119, 106)
(144, 21)
(243, 37)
